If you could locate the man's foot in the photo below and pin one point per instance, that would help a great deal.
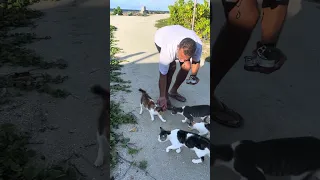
(265, 59)
(177, 97)
(224, 115)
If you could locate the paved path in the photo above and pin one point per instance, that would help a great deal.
(135, 35)
(282, 104)
(79, 34)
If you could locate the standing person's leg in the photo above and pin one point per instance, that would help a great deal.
(171, 71)
(242, 17)
(181, 76)
(266, 57)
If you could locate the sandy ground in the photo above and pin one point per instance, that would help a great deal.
(136, 38)
(80, 36)
(282, 104)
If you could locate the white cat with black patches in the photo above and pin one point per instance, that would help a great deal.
(297, 157)
(179, 138)
(147, 102)
(202, 127)
(190, 112)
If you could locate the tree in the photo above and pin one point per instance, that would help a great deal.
(118, 11)
(181, 13)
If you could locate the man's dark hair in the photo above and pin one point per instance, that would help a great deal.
(189, 46)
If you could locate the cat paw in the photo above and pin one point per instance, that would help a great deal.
(140, 113)
(164, 120)
(152, 119)
(98, 162)
(183, 121)
(196, 161)
(167, 150)
(178, 150)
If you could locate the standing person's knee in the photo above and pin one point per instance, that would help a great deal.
(186, 66)
(172, 67)
(243, 13)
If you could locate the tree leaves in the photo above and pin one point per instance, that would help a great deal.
(181, 13)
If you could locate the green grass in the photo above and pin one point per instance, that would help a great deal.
(161, 23)
(143, 165)
(132, 151)
(117, 115)
(17, 160)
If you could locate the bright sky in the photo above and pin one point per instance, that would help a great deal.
(159, 5)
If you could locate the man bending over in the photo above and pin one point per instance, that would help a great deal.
(176, 43)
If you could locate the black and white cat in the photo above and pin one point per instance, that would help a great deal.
(202, 127)
(190, 112)
(297, 157)
(179, 138)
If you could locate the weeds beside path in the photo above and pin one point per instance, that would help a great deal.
(17, 159)
(58, 113)
(118, 116)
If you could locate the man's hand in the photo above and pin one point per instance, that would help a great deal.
(192, 80)
(162, 101)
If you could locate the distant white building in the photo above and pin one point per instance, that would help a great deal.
(143, 10)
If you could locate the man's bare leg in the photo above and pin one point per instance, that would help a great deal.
(172, 69)
(270, 57)
(233, 38)
(242, 18)
(272, 22)
(181, 76)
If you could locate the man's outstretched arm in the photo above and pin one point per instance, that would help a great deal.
(162, 84)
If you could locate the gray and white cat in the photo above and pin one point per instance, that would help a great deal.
(202, 127)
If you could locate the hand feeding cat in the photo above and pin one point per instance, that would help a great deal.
(297, 157)
(147, 102)
(179, 138)
(190, 112)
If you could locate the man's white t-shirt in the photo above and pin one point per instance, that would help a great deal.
(168, 38)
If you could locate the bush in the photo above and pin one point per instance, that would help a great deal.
(118, 11)
(161, 23)
(181, 13)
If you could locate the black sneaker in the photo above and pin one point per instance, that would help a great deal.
(265, 59)
(224, 115)
(192, 79)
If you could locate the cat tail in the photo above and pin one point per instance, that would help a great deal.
(99, 90)
(141, 90)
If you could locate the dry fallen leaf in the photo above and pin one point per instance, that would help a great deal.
(134, 129)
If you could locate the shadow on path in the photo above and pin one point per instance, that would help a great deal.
(129, 56)
(80, 35)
